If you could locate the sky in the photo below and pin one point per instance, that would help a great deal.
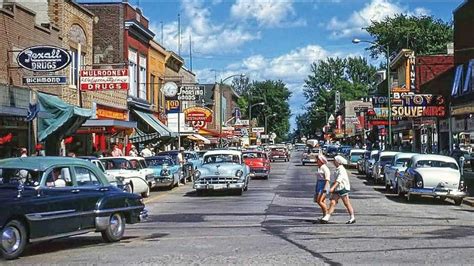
(273, 39)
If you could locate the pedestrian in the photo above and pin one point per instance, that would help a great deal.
(116, 152)
(23, 152)
(146, 152)
(323, 176)
(71, 154)
(133, 151)
(340, 190)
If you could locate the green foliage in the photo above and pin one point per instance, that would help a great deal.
(423, 34)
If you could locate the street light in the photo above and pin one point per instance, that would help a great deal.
(387, 52)
(220, 104)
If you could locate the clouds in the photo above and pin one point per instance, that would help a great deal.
(267, 13)
(376, 10)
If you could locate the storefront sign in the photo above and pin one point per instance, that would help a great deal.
(381, 123)
(258, 129)
(104, 112)
(44, 58)
(172, 106)
(420, 105)
(190, 93)
(44, 80)
(198, 114)
(104, 79)
(412, 73)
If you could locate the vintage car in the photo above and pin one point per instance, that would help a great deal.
(192, 158)
(432, 175)
(258, 162)
(331, 151)
(44, 198)
(133, 172)
(310, 155)
(166, 172)
(279, 153)
(114, 181)
(222, 170)
(361, 162)
(354, 156)
(396, 168)
(369, 164)
(187, 167)
(385, 157)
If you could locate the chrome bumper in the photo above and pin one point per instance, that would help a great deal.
(219, 186)
(448, 193)
(308, 160)
(163, 181)
(143, 215)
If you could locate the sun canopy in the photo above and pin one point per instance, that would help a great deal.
(153, 122)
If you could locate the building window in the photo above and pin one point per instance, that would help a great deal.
(142, 79)
(76, 63)
(152, 88)
(132, 69)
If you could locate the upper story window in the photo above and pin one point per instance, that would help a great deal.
(133, 72)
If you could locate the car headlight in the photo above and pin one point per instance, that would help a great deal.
(239, 173)
(164, 172)
(197, 174)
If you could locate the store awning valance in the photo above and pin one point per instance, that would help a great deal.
(63, 119)
(153, 122)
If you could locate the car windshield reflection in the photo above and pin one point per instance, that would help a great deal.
(437, 164)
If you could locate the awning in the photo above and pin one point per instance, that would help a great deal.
(156, 124)
(197, 137)
(63, 119)
(109, 123)
(139, 136)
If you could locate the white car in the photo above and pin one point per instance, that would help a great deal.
(369, 164)
(385, 157)
(396, 168)
(432, 175)
(132, 170)
(354, 156)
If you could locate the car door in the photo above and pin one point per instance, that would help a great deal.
(60, 210)
(90, 189)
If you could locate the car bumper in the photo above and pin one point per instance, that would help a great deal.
(259, 173)
(219, 186)
(160, 181)
(143, 215)
(308, 160)
(279, 158)
(448, 193)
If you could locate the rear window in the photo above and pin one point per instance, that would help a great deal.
(254, 155)
(435, 164)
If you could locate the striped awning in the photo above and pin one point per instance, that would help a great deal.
(139, 136)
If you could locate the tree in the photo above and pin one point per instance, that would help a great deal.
(423, 34)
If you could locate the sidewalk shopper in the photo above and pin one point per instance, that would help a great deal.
(116, 152)
(146, 152)
(340, 190)
(323, 176)
(133, 151)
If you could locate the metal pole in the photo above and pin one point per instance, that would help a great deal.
(220, 115)
(389, 91)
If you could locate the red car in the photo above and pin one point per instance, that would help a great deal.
(258, 163)
(279, 153)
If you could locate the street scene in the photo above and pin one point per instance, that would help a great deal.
(236, 132)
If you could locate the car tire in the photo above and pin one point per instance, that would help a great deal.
(458, 201)
(116, 228)
(146, 194)
(16, 232)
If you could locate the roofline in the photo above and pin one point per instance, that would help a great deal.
(460, 6)
(74, 3)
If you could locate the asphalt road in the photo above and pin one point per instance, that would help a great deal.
(272, 223)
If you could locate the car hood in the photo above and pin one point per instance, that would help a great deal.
(227, 169)
(433, 176)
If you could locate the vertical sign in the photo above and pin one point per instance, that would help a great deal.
(337, 100)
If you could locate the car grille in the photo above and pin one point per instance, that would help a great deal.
(217, 180)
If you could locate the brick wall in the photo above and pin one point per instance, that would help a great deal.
(429, 67)
(463, 37)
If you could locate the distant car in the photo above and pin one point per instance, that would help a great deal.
(193, 160)
(344, 151)
(44, 198)
(331, 151)
(354, 156)
(310, 155)
(432, 175)
(395, 169)
(131, 170)
(279, 153)
(384, 157)
(187, 166)
(300, 146)
(166, 172)
(258, 163)
(222, 170)
(361, 162)
(369, 164)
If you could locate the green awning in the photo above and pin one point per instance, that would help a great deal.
(153, 122)
(62, 118)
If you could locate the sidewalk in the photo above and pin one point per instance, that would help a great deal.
(469, 182)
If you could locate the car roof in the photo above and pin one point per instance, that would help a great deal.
(388, 153)
(41, 163)
(231, 152)
(124, 157)
(158, 157)
(434, 157)
(402, 155)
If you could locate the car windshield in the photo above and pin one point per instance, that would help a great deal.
(402, 161)
(16, 176)
(157, 162)
(116, 164)
(221, 158)
(434, 163)
(386, 159)
(253, 155)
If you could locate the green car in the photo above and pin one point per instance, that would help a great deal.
(44, 198)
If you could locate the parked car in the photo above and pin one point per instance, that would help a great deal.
(187, 167)
(258, 163)
(369, 164)
(344, 151)
(331, 151)
(395, 169)
(279, 153)
(385, 157)
(193, 160)
(310, 155)
(432, 175)
(166, 172)
(354, 156)
(361, 162)
(131, 170)
(44, 198)
(222, 170)
(114, 181)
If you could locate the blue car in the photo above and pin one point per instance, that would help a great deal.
(166, 172)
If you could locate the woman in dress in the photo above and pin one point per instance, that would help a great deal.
(340, 190)
(323, 176)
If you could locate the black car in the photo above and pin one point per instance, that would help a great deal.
(43, 198)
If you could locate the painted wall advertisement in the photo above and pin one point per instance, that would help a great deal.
(104, 79)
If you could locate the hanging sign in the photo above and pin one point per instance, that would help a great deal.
(198, 114)
(104, 79)
(44, 80)
(190, 93)
(43, 58)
